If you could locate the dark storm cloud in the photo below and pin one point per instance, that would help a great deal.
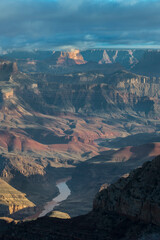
(79, 23)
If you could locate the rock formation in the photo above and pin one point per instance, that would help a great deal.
(105, 59)
(6, 69)
(12, 200)
(136, 196)
(57, 214)
(53, 119)
(114, 215)
(7, 93)
(70, 58)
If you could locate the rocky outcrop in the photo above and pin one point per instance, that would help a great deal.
(136, 196)
(11, 200)
(57, 214)
(127, 58)
(6, 69)
(105, 58)
(70, 58)
(7, 93)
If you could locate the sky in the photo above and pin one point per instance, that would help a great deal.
(66, 24)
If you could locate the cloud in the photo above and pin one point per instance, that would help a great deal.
(80, 23)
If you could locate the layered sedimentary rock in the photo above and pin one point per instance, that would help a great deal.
(70, 58)
(12, 200)
(105, 58)
(55, 119)
(136, 196)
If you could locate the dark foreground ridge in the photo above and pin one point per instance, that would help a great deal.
(128, 209)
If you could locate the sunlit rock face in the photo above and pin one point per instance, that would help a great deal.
(12, 200)
(105, 58)
(70, 58)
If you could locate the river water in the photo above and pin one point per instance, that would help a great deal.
(64, 193)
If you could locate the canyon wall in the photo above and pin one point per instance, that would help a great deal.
(136, 196)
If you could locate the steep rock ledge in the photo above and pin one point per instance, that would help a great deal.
(137, 196)
(12, 200)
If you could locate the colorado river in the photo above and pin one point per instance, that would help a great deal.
(64, 193)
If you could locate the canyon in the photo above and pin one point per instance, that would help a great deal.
(112, 215)
(92, 115)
